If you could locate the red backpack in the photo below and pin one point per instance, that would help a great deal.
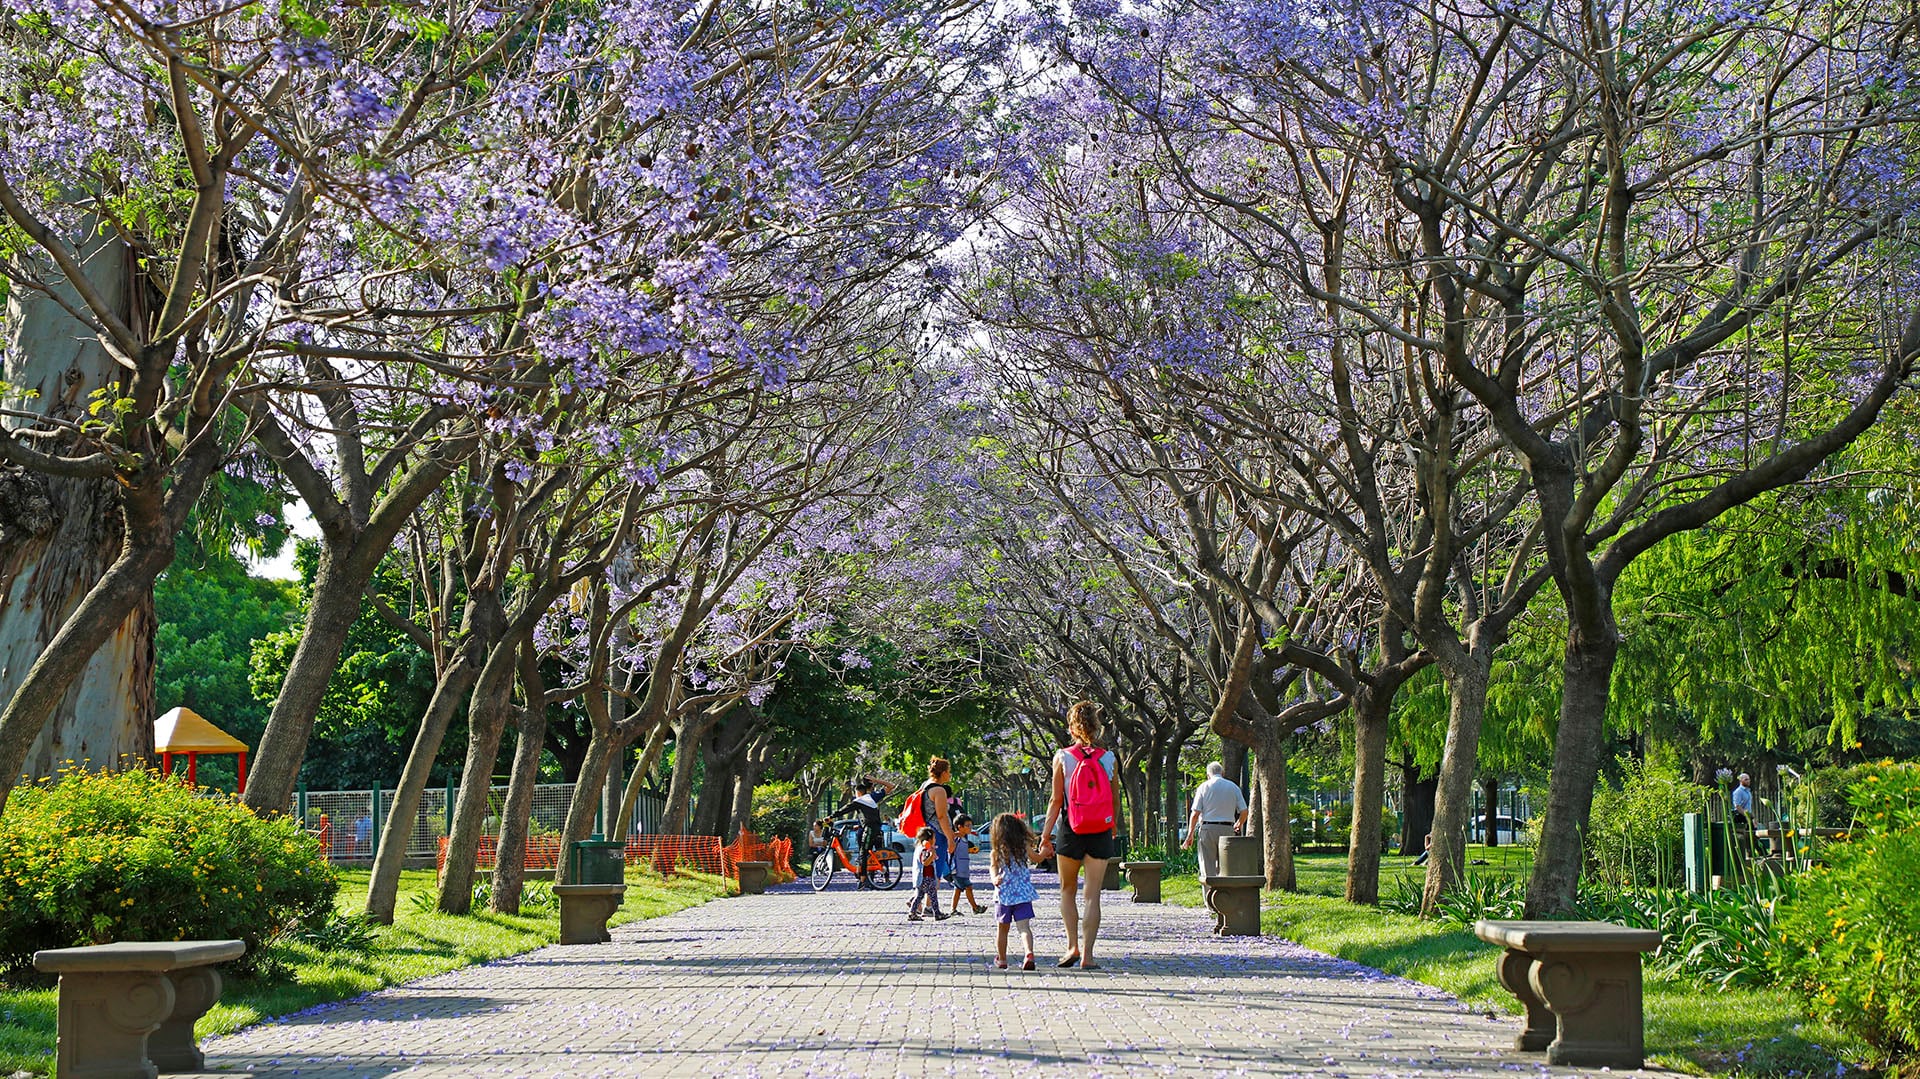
(1089, 793)
(912, 816)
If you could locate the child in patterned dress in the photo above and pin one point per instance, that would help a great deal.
(1013, 883)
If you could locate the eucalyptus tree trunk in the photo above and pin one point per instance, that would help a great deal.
(58, 538)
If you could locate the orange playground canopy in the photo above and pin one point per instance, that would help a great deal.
(185, 731)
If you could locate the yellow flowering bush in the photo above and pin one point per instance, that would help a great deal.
(92, 858)
(1849, 939)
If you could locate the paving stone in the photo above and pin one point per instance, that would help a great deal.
(839, 984)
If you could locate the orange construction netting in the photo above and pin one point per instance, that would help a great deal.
(665, 853)
(778, 855)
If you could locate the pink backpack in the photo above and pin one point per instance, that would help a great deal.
(1089, 793)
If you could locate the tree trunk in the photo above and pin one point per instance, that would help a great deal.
(58, 538)
(338, 586)
(642, 769)
(716, 789)
(1371, 714)
(1416, 807)
(510, 863)
(1586, 676)
(688, 734)
(1171, 817)
(585, 804)
(1150, 834)
(1133, 780)
(383, 888)
(1490, 810)
(752, 766)
(1276, 815)
(1233, 757)
(486, 723)
(1459, 761)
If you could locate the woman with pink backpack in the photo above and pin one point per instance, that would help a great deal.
(1079, 831)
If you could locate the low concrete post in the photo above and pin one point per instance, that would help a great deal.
(1145, 878)
(584, 910)
(1111, 881)
(1240, 856)
(753, 877)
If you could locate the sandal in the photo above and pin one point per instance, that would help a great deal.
(1028, 965)
(1000, 964)
(1068, 960)
(1091, 966)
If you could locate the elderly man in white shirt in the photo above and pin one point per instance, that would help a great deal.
(1218, 809)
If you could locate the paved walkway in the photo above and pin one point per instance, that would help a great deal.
(839, 984)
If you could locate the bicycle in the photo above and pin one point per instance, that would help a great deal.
(883, 865)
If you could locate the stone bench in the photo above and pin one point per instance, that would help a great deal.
(1235, 903)
(1145, 878)
(753, 876)
(1580, 983)
(584, 910)
(126, 1010)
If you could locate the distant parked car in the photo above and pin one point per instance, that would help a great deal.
(1505, 829)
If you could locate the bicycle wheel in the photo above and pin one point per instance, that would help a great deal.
(887, 873)
(823, 870)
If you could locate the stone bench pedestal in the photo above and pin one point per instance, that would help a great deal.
(1235, 902)
(1145, 878)
(1580, 983)
(127, 1009)
(584, 910)
(753, 877)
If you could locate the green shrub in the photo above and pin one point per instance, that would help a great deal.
(1849, 939)
(92, 858)
(1634, 834)
(779, 810)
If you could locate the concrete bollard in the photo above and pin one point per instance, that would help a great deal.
(1145, 878)
(584, 910)
(753, 877)
(1240, 856)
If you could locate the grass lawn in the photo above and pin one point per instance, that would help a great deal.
(1692, 1029)
(420, 943)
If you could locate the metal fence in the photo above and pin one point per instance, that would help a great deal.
(350, 823)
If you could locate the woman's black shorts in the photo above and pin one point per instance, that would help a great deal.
(1070, 844)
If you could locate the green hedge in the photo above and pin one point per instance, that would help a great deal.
(92, 858)
(1849, 938)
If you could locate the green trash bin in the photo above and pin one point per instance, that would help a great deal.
(599, 861)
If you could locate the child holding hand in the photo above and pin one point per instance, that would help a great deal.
(1012, 868)
(926, 881)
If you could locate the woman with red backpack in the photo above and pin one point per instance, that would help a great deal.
(932, 807)
(1080, 822)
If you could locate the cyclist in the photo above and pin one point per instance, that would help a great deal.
(866, 805)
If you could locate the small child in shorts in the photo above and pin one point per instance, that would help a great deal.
(963, 865)
(1012, 866)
